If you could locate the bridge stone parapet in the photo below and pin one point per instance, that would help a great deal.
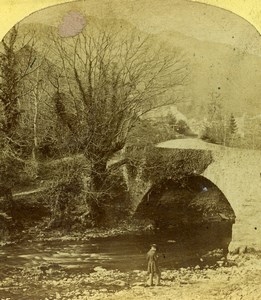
(236, 172)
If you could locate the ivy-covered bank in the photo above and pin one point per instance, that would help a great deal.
(152, 167)
(62, 204)
(156, 164)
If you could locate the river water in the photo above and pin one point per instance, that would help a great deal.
(181, 247)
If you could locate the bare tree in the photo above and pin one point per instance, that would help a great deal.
(217, 126)
(16, 60)
(38, 111)
(111, 75)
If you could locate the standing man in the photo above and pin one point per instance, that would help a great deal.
(153, 267)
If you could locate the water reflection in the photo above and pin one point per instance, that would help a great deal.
(179, 247)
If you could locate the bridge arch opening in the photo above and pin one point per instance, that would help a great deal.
(193, 209)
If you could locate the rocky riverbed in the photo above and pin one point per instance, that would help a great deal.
(241, 279)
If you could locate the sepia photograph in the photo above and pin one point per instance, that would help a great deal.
(130, 150)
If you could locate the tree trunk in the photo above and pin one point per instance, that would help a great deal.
(35, 146)
(8, 205)
(35, 128)
(97, 192)
(60, 216)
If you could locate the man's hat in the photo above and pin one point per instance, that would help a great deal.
(154, 246)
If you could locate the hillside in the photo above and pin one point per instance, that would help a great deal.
(200, 21)
(223, 50)
(219, 69)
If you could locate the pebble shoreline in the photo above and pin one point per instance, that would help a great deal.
(241, 279)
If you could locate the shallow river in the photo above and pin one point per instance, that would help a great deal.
(178, 248)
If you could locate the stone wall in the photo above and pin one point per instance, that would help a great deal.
(237, 173)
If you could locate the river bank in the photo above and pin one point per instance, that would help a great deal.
(241, 279)
(40, 233)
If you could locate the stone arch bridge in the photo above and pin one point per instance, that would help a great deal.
(236, 172)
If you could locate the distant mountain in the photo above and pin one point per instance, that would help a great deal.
(223, 49)
(197, 20)
(219, 69)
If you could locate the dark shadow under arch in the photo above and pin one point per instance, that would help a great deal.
(194, 199)
(193, 209)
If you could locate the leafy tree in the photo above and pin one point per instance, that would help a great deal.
(182, 127)
(232, 125)
(171, 120)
